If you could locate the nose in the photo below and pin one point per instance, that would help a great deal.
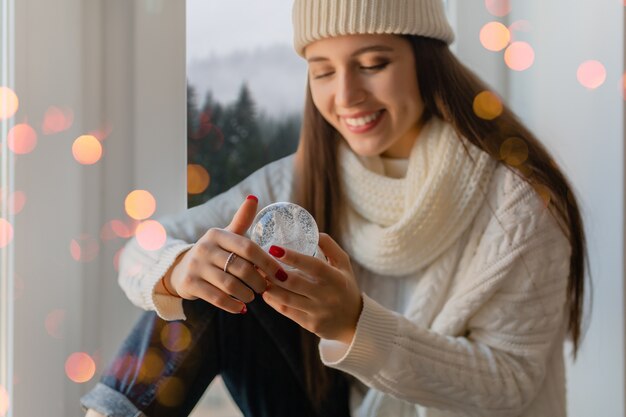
(350, 90)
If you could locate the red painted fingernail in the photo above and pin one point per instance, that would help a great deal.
(244, 310)
(252, 197)
(277, 251)
(281, 275)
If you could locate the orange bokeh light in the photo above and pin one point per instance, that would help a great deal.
(494, 36)
(87, 150)
(498, 7)
(519, 56)
(514, 151)
(170, 391)
(151, 235)
(152, 366)
(140, 204)
(22, 139)
(4, 401)
(176, 337)
(80, 367)
(57, 120)
(6, 233)
(54, 323)
(198, 179)
(9, 103)
(84, 248)
(591, 74)
(487, 105)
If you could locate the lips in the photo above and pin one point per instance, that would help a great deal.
(363, 122)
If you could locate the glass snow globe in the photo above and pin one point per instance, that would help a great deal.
(286, 225)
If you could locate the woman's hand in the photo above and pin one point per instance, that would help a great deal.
(323, 297)
(201, 272)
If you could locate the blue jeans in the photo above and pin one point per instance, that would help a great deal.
(163, 368)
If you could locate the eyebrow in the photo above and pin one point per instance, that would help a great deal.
(372, 48)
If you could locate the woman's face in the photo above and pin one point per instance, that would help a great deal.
(365, 86)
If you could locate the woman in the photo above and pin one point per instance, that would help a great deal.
(454, 269)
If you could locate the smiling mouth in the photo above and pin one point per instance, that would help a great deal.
(363, 121)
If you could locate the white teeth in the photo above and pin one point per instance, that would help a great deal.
(361, 121)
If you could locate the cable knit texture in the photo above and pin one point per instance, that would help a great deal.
(396, 226)
(318, 19)
(478, 330)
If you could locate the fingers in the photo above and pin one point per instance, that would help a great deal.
(287, 303)
(311, 266)
(246, 272)
(249, 251)
(242, 220)
(217, 297)
(336, 256)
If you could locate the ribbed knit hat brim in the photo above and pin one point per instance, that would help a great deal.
(319, 19)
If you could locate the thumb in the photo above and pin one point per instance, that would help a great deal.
(244, 216)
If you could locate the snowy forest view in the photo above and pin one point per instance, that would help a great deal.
(226, 142)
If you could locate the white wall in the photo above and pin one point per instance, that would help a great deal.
(118, 63)
(585, 132)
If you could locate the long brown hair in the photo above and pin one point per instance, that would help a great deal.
(448, 90)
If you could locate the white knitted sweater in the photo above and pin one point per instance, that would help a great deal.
(478, 331)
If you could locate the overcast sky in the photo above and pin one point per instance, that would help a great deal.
(222, 26)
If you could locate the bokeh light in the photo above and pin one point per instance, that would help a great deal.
(87, 150)
(623, 84)
(198, 179)
(591, 74)
(171, 391)
(19, 287)
(6, 233)
(152, 366)
(54, 323)
(84, 248)
(494, 36)
(487, 105)
(16, 201)
(22, 139)
(80, 367)
(544, 193)
(514, 151)
(4, 401)
(519, 56)
(102, 133)
(116, 259)
(151, 235)
(115, 229)
(9, 103)
(519, 26)
(140, 204)
(498, 7)
(107, 232)
(121, 366)
(57, 120)
(175, 336)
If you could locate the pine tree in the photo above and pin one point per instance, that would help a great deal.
(233, 141)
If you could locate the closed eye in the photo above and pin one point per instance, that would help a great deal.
(375, 67)
(326, 74)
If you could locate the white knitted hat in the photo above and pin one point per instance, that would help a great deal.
(318, 19)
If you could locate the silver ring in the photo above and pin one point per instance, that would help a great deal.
(230, 260)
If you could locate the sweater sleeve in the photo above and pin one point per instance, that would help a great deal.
(141, 269)
(511, 300)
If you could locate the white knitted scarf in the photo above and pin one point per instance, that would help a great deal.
(397, 226)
